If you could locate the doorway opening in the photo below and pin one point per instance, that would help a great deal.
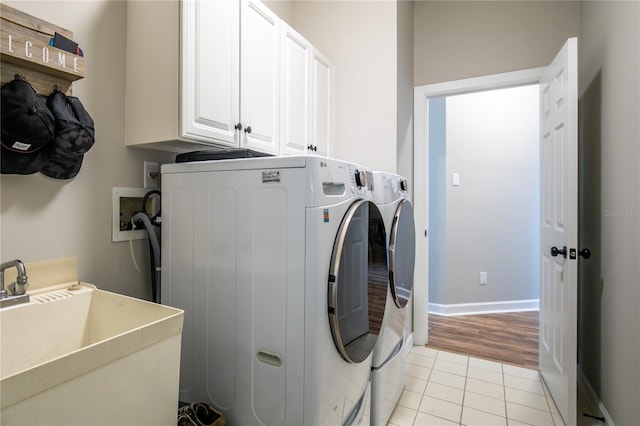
(558, 215)
(426, 100)
(484, 208)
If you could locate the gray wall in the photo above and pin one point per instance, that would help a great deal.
(405, 90)
(44, 218)
(489, 222)
(437, 200)
(457, 40)
(493, 215)
(609, 282)
(462, 39)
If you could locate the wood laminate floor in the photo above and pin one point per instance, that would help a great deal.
(505, 337)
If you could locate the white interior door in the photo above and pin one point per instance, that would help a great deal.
(559, 217)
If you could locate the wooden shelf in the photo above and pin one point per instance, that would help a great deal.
(25, 50)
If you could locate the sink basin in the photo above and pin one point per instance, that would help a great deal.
(79, 355)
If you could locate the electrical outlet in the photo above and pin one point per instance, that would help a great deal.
(483, 278)
(151, 174)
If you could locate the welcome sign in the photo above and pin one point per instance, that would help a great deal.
(24, 43)
(46, 55)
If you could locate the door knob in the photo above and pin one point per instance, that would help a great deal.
(585, 253)
(555, 251)
(238, 126)
(248, 129)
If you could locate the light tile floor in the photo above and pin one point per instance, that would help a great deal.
(444, 388)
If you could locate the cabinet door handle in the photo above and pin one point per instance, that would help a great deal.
(248, 129)
(238, 126)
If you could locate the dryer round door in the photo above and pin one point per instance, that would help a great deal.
(402, 254)
(358, 281)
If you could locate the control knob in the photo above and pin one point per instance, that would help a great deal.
(361, 178)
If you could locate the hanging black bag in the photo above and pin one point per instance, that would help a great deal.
(74, 136)
(27, 129)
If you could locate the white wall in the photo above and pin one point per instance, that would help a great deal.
(44, 218)
(360, 39)
(609, 282)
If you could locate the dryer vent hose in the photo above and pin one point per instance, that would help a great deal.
(154, 246)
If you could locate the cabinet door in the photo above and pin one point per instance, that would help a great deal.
(210, 86)
(260, 77)
(320, 103)
(295, 111)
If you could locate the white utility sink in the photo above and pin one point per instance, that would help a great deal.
(76, 355)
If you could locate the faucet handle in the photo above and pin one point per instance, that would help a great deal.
(18, 287)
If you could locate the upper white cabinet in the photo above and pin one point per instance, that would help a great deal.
(295, 94)
(210, 83)
(225, 73)
(305, 96)
(321, 106)
(260, 78)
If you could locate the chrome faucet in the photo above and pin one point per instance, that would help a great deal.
(18, 287)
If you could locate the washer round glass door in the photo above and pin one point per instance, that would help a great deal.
(358, 281)
(402, 254)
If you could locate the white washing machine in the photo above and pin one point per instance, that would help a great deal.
(388, 374)
(279, 264)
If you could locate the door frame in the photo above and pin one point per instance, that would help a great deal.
(421, 96)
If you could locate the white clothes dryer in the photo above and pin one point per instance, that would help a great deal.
(388, 374)
(278, 263)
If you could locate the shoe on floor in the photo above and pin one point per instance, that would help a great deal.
(185, 420)
(201, 414)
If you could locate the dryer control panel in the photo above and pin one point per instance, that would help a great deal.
(361, 180)
(332, 180)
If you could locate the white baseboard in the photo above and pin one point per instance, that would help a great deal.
(484, 308)
(592, 398)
